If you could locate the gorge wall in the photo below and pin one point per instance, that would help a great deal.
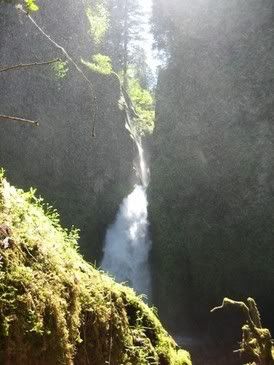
(84, 177)
(212, 194)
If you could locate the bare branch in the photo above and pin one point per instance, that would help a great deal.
(25, 65)
(18, 119)
(241, 305)
(227, 301)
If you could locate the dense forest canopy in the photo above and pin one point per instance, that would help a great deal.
(206, 126)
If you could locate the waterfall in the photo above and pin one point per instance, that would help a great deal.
(127, 242)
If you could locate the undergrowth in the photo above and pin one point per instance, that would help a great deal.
(55, 308)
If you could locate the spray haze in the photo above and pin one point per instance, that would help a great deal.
(127, 244)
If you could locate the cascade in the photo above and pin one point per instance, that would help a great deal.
(127, 243)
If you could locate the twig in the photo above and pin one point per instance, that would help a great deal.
(18, 119)
(29, 253)
(25, 65)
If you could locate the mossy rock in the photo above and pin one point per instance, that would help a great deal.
(55, 308)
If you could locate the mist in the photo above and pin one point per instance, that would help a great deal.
(165, 161)
(127, 243)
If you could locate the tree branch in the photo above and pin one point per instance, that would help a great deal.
(241, 305)
(25, 65)
(18, 119)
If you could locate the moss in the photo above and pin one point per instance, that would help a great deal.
(55, 308)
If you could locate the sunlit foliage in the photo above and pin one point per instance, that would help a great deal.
(144, 106)
(114, 27)
(100, 63)
(31, 5)
(60, 69)
(98, 18)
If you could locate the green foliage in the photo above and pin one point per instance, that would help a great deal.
(126, 22)
(100, 63)
(60, 69)
(119, 24)
(31, 5)
(144, 106)
(55, 308)
(98, 18)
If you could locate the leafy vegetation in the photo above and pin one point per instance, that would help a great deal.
(144, 106)
(126, 20)
(118, 54)
(142, 98)
(100, 64)
(31, 5)
(98, 18)
(60, 69)
(56, 308)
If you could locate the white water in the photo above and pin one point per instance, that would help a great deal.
(127, 242)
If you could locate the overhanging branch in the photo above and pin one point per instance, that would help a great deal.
(18, 119)
(25, 65)
(241, 305)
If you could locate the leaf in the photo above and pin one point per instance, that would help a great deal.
(31, 5)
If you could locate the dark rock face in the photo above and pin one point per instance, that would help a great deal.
(211, 192)
(84, 177)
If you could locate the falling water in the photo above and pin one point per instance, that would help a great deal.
(127, 241)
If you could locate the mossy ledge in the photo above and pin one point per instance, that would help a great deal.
(55, 308)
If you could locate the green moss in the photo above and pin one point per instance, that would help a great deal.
(55, 308)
